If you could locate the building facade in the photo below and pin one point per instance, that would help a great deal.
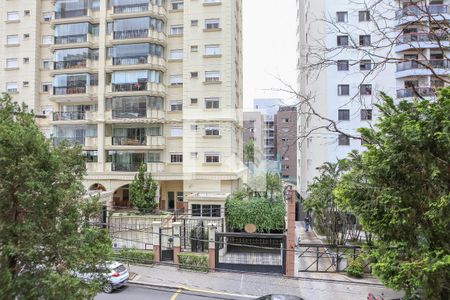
(253, 129)
(286, 141)
(135, 82)
(344, 91)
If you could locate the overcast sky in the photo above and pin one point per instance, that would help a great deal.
(269, 38)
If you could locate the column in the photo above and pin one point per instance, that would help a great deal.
(176, 241)
(156, 246)
(212, 247)
(290, 239)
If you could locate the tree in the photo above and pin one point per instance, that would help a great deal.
(46, 232)
(399, 189)
(249, 152)
(143, 191)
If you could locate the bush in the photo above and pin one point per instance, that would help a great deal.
(134, 256)
(356, 268)
(267, 215)
(195, 262)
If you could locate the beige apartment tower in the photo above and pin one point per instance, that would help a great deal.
(135, 82)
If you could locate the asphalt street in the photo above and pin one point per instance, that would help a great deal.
(135, 292)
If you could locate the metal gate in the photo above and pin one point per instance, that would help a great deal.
(262, 253)
(166, 243)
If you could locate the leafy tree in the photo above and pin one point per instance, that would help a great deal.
(399, 189)
(45, 229)
(249, 152)
(143, 191)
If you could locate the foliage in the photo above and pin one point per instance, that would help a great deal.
(191, 261)
(356, 268)
(129, 255)
(249, 152)
(267, 215)
(45, 230)
(143, 191)
(267, 185)
(399, 189)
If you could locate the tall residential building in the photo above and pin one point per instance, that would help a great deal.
(286, 141)
(135, 82)
(253, 129)
(345, 90)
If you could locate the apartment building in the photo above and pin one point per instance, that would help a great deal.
(286, 141)
(135, 82)
(346, 90)
(253, 129)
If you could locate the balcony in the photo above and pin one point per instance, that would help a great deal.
(79, 140)
(422, 68)
(129, 87)
(71, 14)
(131, 8)
(424, 40)
(130, 34)
(74, 115)
(127, 167)
(71, 64)
(71, 39)
(129, 114)
(69, 90)
(131, 60)
(129, 141)
(417, 11)
(416, 92)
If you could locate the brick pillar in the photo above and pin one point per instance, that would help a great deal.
(156, 246)
(290, 239)
(176, 241)
(212, 247)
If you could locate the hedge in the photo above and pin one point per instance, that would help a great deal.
(134, 256)
(267, 215)
(191, 261)
(356, 268)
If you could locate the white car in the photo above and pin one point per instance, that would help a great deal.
(115, 276)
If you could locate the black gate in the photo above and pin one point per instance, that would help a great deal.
(166, 243)
(256, 252)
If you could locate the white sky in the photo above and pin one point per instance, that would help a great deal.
(269, 40)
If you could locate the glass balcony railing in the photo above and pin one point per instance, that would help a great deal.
(129, 141)
(71, 14)
(69, 115)
(434, 63)
(416, 92)
(127, 167)
(422, 37)
(72, 140)
(130, 60)
(417, 11)
(130, 34)
(131, 8)
(71, 39)
(129, 87)
(129, 114)
(69, 90)
(71, 64)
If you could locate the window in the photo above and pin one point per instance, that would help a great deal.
(194, 48)
(194, 23)
(47, 16)
(343, 90)
(47, 39)
(342, 16)
(194, 74)
(176, 29)
(26, 60)
(364, 40)
(206, 210)
(176, 80)
(344, 115)
(46, 87)
(176, 105)
(343, 140)
(25, 83)
(11, 87)
(176, 158)
(12, 16)
(342, 40)
(26, 12)
(90, 156)
(212, 23)
(212, 49)
(194, 155)
(12, 39)
(194, 127)
(212, 76)
(211, 103)
(12, 63)
(180, 196)
(365, 89)
(194, 100)
(211, 158)
(154, 157)
(177, 4)
(366, 114)
(212, 130)
(285, 120)
(365, 65)
(176, 54)
(364, 16)
(342, 65)
(46, 64)
(176, 131)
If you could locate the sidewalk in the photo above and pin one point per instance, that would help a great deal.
(252, 285)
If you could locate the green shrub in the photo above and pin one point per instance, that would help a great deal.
(356, 268)
(134, 256)
(195, 262)
(267, 215)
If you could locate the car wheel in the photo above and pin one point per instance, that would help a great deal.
(108, 288)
